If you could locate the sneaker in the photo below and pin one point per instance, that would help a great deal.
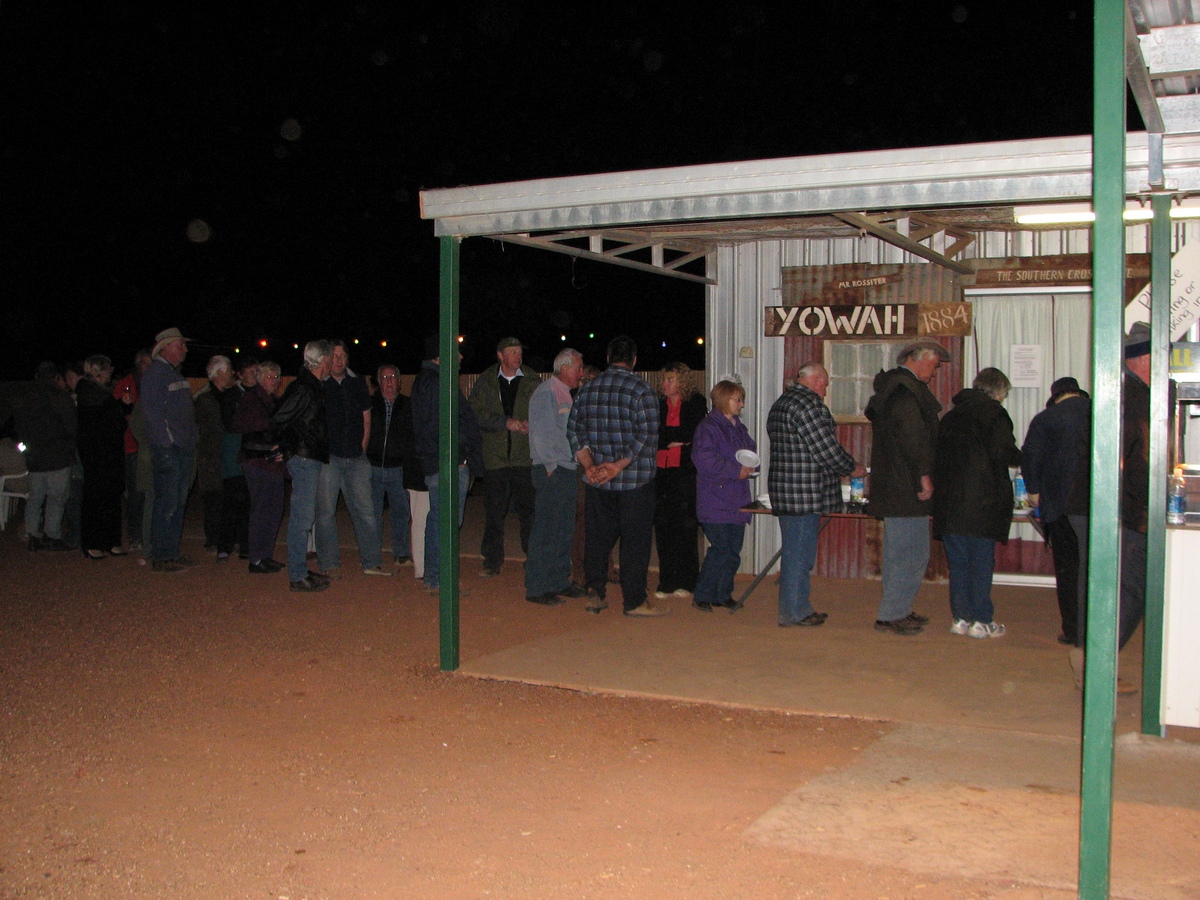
(377, 570)
(812, 620)
(680, 592)
(399, 561)
(545, 599)
(903, 627)
(223, 556)
(489, 571)
(702, 605)
(167, 566)
(595, 603)
(661, 595)
(960, 626)
(308, 584)
(986, 630)
(647, 610)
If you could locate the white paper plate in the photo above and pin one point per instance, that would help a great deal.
(747, 458)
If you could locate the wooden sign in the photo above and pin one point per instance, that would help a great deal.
(869, 322)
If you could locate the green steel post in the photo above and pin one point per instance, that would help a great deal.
(1156, 527)
(447, 455)
(1108, 295)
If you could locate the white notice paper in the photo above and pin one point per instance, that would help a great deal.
(1025, 365)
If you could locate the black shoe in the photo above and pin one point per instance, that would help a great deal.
(57, 545)
(273, 565)
(904, 627)
(545, 599)
(703, 606)
(308, 585)
(812, 620)
(35, 544)
(317, 576)
(572, 591)
(1069, 641)
(261, 568)
(916, 619)
(243, 555)
(728, 603)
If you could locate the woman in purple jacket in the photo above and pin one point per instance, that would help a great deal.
(721, 492)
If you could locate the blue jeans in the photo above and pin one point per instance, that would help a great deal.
(714, 584)
(798, 556)
(391, 482)
(350, 476)
(972, 560)
(306, 477)
(47, 499)
(432, 556)
(905, 558)
(172, 467)
(548, 565)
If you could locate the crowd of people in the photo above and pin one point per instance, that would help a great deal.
(591, 462)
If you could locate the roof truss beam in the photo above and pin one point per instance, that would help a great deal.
(909, 244)
(616, 255)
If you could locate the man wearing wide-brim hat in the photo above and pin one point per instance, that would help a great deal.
(1135, 500)
(166, 401)
(904, 422)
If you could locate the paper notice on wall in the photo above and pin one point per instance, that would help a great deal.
(1025, 365)
(1185, 294)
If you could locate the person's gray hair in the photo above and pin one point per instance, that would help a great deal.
(267, 367)
(217, 364)
(808, 370)
(992, 382)
(96, 365)
(566, 357)
(315, 352)
(379, 372)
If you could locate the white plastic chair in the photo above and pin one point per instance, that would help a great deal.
(12, 488)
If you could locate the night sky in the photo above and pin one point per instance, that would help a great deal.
(253, 172)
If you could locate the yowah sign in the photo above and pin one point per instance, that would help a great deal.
(869, 321)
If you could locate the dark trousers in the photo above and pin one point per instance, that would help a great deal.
(503, 488)
(266, 491)
(628, 515)
(676, 529)
(1132, 596)
(135, 500)
(235, 515)
(100, 512)
(1064, 545)
(214, 501)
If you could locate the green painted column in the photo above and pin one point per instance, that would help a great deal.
(1156, 529)
(1108, 296)
(448, 614)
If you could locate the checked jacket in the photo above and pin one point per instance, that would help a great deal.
(807, 462)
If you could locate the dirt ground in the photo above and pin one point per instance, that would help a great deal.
(211, 735)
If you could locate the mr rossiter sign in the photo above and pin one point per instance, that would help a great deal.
(870, 321)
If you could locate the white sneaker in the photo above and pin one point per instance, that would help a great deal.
(960, 626)
(377, 570)
(986, 630)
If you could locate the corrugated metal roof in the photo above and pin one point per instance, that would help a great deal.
(953, 178)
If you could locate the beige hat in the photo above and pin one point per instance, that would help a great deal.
(165, 337)
(909, 349)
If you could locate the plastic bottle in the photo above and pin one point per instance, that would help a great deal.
(857, 489)
(1176, 498)
(1020, 495)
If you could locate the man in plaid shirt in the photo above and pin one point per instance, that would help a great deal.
(804, 481)
(613, 430)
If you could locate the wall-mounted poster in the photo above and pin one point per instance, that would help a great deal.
(1025, 365)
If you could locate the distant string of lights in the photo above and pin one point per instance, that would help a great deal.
(266, 343)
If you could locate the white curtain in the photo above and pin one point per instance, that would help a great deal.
(1059, 323)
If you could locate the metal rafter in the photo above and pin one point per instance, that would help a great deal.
(890, 235)
(625, 243)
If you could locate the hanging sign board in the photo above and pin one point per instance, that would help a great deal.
(1185, 294)
(869, 322)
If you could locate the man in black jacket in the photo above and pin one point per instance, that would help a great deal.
(390, 450)
(46, 424)
(300, 426)
(904, 421)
